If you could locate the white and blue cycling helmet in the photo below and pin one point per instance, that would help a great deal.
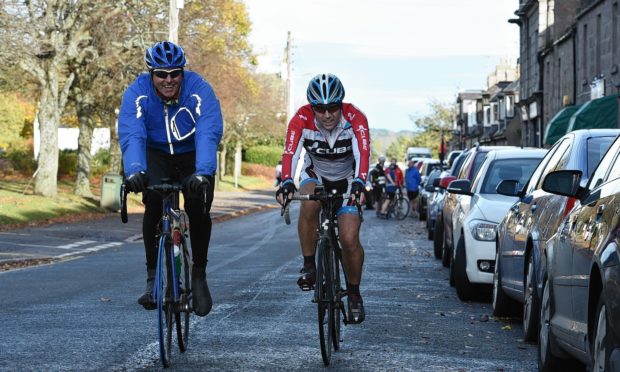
(325, 89)
(166, 55)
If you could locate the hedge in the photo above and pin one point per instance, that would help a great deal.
(265, 155)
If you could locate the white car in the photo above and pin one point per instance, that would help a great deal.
(478, 213)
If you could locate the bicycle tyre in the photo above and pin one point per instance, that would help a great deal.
(338, 304)
(324, 302)
(401, 208)
(184, 310)
(164, 322)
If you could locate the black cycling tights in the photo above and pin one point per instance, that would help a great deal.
(200, 227)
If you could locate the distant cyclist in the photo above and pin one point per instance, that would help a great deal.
(169, 126)
(377, 180)
(412, 181)
(337, 142)
(394, 180)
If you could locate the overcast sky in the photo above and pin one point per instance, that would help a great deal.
(393, 56)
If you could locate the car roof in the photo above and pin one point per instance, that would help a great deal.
(509, 153)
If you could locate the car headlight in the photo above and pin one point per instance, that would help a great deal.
(483, 230)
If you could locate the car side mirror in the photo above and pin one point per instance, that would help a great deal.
(508, 188)
(563, 182)
(436, 182)
(445, 181)
(461, 187)
(429, 188)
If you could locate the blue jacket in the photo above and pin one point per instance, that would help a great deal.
(194, 123)
(412, 179)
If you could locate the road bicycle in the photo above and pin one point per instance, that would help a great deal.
(172, 290)
(328, 290)
(398, 207)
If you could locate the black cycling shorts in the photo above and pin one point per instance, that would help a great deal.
(412, 194)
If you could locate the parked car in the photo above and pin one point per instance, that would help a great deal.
(580, 312)
(479, 211)
(427, 169)
(468, 171)
(427, 195)
(525, 230)
(442, 185)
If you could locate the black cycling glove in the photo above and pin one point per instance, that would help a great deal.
(196, 182)
(357, 187)
(287, 187)
(137, 182)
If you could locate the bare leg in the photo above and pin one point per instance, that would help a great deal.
(353, 252)
(308, 221)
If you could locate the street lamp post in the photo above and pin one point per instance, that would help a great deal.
(173, 20)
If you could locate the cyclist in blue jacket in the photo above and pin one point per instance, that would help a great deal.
(169, 126)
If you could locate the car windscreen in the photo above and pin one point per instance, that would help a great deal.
(508, 169)
(458, 163)
(431, 167)
(480, 156)
(597, 147)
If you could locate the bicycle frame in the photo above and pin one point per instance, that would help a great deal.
(328, 292)
(170, 299)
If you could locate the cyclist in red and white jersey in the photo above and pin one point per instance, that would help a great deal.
(336, 138)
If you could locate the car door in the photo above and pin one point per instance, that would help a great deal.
(531, 208)
(512, 250)
(590, 228)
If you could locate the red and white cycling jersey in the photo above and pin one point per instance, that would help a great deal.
(340, 154)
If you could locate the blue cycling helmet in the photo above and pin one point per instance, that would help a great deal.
(164, 54)
(325, 89)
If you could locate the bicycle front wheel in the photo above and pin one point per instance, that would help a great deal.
(184, 310)
(337, 301)
(401, 208)
(325, 302)
(162, 290)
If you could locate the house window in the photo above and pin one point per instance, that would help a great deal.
(510, 106)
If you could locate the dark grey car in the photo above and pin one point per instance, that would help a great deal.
(580, 312)
(524, 232)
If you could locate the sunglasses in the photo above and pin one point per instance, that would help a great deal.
(332, 108)
(162, 74)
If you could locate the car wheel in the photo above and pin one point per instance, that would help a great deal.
(601, 346)
(547, 360)
(447, 252)
(503, 306)
(430, 229)
(531, 303)
(464, 288)
(438, 240)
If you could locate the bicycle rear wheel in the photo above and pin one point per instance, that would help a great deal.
(184, 309)
(162, 297)
(401, 208)
(325, 304)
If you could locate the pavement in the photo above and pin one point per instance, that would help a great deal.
(44, 242)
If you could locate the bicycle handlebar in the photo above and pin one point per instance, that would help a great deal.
(318, 197)
(164, 187)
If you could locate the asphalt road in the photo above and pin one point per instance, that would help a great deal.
(80, 313)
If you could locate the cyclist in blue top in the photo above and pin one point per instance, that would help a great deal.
(412, 181)
(169, 126)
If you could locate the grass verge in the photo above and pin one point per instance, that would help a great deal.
(19, 207)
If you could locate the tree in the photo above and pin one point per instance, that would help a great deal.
(118, 44)
(215, 35)
(44, 37)
(431, 126)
